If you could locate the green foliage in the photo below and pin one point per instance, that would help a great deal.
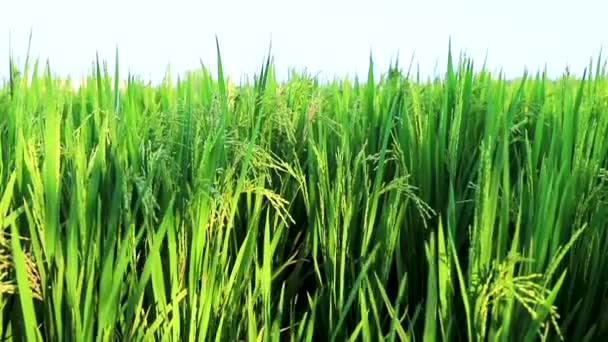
(467, 208)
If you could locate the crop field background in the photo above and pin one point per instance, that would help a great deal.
(464, 208)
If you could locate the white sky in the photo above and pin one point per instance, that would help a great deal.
(331, 37)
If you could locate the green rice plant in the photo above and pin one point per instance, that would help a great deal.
(468, 207)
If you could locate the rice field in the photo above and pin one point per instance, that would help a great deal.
(391, 208)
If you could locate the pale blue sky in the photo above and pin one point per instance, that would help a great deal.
(332, 37)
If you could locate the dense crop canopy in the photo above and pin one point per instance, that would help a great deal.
(465, 208)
